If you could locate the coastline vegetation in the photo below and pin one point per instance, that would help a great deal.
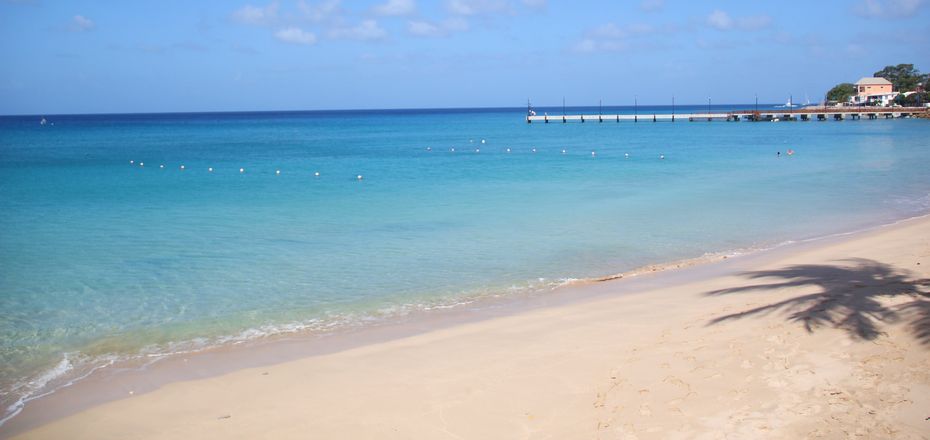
(904, 78)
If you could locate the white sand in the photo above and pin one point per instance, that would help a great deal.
(666, 362)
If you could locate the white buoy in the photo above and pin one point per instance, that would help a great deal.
(661, 156)
(132, 162)
(141, 164)
(210, 169)
(593, 153)
(477, 150)
(429, 148)
(534, 150)
(359, 177)
(508, 150)
(317, 174)
(453, 149)
(482, 141)
(626, 155)
(161, 166)
(278, 172)
(563, 151)
(241, 170)
(182, 167)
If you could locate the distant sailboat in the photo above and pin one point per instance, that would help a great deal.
(788, 104)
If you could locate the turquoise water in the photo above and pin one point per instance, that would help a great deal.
(102, 259)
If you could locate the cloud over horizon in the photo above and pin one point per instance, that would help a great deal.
(887, 8)
(295, 35)
(80, 23)
(721, 20)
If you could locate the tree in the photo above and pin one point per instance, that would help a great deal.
(841, 92)
(903, 77)
(913, 99)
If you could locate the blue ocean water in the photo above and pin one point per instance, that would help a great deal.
(110, 250)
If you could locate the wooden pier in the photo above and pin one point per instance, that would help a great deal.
(804, 114)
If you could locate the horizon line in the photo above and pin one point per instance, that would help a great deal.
(397, 109)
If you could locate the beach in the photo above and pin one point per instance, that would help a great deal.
(824, 339)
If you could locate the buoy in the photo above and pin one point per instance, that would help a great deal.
(317, 174)
(593, 153)
(429, 148)
(508, 150)
(359, 177)
(626, 155)
(132, 162)
(210, 169)
(277, 172)
(453, 149)
(563, 151)
(182, 167)
(482, 141)
(661, 156)
(141, 164)
(241, 170)
(534, 150)
(477, 150)
(161, 166)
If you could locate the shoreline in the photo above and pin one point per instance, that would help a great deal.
(97, 390)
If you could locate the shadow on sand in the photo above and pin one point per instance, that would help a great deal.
(849, 297)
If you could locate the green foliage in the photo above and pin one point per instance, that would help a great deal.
(841, 92)
(913, 100)
(904, 77)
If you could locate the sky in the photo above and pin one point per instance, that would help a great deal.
(60, 57)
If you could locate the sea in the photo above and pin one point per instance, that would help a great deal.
(136, 236)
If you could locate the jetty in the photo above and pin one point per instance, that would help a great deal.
(801, 114)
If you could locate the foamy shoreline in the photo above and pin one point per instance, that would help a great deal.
(581, 296)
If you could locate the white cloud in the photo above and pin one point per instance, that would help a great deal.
(722, 21)
(81, 23)
(536, 4)
(255, 15)
(321, 11)
(590, 45)
(652, 5)
(613, 31)
(367, 30)
(396, 8)
(476, 7)
(424, 29)
(612, 38)
(754, 22)
(295, 35)
(887, 8)
(441, 29)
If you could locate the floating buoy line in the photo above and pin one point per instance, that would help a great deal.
(360, 177)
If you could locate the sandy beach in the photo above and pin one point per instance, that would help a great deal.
(820, 340)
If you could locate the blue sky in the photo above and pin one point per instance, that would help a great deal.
(114, 56)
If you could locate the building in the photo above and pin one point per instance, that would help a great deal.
(874, 91)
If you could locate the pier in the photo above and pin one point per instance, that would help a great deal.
(803, 114)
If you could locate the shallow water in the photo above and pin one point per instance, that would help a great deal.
(102, 259)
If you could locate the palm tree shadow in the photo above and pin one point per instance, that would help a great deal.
(851, 297)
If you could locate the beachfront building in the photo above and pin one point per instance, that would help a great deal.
(873, 91)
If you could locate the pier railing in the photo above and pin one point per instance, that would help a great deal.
(802, 114)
